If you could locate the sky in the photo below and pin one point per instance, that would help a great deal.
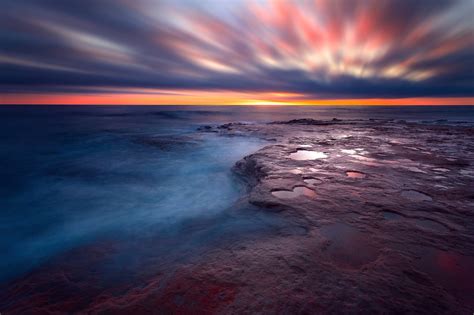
(237, 52)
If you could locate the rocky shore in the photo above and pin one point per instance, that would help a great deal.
(387, 210)
(380, 220)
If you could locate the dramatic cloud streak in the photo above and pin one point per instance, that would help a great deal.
(308, 49)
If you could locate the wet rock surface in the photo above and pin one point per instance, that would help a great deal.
(383, 223)
(394, 203)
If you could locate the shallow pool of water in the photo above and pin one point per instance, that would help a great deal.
(349, 151)
(431, 225)
(388, 215)
(296, 192)
(349, 248)
(313, 181)
(415, 196)
(355, 174)
(302, 155)
(450, 270)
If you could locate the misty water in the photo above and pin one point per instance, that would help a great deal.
(73, 175)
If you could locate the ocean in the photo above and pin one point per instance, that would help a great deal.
(72, 176)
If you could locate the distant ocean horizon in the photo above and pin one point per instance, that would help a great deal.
(259, 113)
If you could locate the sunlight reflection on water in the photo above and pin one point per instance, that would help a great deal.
(302, 155)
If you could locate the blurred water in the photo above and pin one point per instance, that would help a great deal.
(70, 175)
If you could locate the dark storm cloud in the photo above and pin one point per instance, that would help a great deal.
(321, 48)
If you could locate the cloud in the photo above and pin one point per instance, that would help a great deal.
(317, 48)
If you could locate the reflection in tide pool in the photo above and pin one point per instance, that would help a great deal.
(302, 155)
(349, 248)
(415, 196)
(355, 174)
(350, 151)
(313, 181)
(450, 269)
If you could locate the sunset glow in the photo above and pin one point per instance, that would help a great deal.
(216, 98)
(237, 52)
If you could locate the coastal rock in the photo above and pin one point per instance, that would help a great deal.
(391, 167)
